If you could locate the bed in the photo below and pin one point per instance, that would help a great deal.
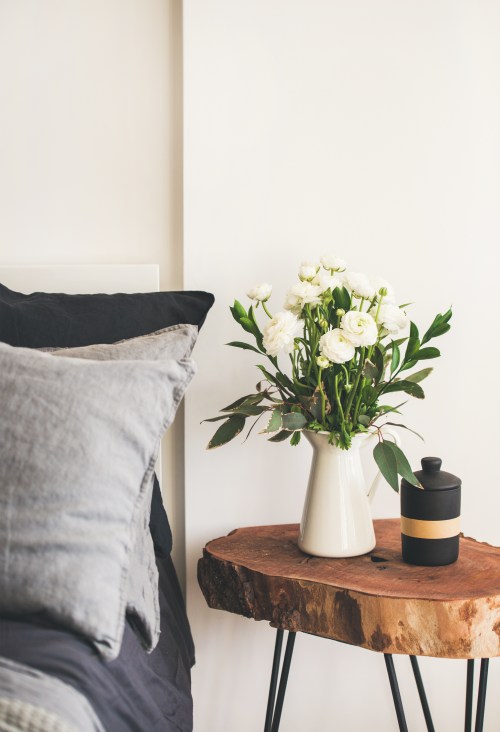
(93, 629)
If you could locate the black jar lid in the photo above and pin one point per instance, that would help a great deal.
(432, 478)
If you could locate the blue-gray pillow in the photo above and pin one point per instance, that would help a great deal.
(78, 443)
(176, 342)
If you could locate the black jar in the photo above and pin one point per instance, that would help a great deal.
(430, 516)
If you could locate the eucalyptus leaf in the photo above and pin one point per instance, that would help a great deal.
(398, 424)
(403, 466)
(250, 399)
(370, 371)
(408, 387)
(280, 437)
(227, 431)
(245, 346)
(425, 353)
(396, 357)
(387, 464)
(419, 376)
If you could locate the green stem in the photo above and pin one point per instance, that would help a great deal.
(356, 381)
(264, 306)
(323, 397)
(337, 397)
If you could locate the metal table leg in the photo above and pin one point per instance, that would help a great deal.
(275, 703)
(481, 694)
(398, 704)
(422, 694)
(468, 695)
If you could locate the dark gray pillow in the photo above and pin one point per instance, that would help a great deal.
(176, 342)
(78, 443)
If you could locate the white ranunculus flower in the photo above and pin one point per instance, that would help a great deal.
(326, 281)
(303, 293)
(308, 271)
(280, 332)
(360, 328)
(359, 284)
(333, 263)
(391, 317)
(336, 346)
(260, 292)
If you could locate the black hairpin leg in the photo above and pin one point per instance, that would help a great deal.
(398, 704)
(422, 694)
(468, 695)
(481, 694)
(275, 704)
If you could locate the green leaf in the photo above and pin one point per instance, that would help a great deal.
(250, 410)
(280, 437)
(312, 404)
(370, 371)
(247, 325)
(294, 421)
(216, 419)
(419, 376)
(403, 466)
(364, 419)
(396, 357)
(342, 298)
(295, 439)
(425, 353)
(387, 464)
(239, 309)
(413, 342)
(274, 423)
(378, 360)
(407, 386)
(438, 327)
(369, 395)
(227, 431)
(397, 424)
(245, 346)
(246, 400)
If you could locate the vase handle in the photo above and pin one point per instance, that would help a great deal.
(375, 484)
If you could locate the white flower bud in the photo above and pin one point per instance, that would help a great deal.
(261, 292)
(323, 362)
(333, 264)
(308, 271)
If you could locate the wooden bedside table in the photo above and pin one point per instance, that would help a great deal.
(374, 601)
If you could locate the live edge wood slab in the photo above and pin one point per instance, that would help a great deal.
(375, 601)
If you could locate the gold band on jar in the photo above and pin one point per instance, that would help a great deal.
(420, 529)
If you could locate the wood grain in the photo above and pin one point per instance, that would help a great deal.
(375, 601)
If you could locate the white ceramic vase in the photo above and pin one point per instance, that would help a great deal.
(336, 520)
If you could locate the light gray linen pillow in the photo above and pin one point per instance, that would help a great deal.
(78, 444)
(175, 342)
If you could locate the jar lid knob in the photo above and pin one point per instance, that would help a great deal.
(431, 464)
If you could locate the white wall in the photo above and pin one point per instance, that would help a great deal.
(91, 146)
(369, 130)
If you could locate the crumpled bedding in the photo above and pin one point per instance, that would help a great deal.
(138, 691)
(31, 701)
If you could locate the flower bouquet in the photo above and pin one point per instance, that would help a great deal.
(349, 344)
